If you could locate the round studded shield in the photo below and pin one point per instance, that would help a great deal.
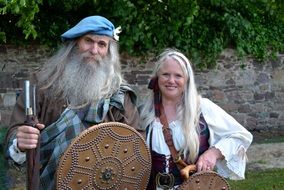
(106, 156)
(206, 180)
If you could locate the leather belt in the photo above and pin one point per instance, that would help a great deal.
(165, 180)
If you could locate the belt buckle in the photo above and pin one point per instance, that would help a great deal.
(165, 180)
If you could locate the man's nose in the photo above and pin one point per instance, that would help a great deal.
(94, 48)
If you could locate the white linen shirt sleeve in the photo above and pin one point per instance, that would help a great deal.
(15, 153)
(230, 137)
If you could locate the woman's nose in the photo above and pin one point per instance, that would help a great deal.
(171, 78)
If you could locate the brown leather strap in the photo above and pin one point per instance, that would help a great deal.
(169, 140)
(185, 170)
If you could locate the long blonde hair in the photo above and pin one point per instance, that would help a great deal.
(188, 110)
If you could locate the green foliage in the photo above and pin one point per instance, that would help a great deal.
(27, 10)
(201, 29)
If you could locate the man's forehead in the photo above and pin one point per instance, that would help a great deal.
(96, 37)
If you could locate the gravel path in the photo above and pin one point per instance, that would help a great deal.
(265, 156)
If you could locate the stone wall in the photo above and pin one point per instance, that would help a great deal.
(251, 92)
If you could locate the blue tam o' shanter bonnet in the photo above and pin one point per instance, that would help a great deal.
(93, 24)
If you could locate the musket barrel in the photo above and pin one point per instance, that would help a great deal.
(27, 96)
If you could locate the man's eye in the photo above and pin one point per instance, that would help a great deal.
(88, 40)
(102, 44)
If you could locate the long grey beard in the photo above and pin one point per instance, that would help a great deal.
(83, 82)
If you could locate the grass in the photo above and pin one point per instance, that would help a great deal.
(272, 179)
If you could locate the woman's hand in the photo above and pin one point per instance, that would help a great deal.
(28, 136)
(208, 159)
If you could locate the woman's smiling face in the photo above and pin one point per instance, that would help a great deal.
(171, 80)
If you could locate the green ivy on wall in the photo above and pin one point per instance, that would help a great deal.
(199, 28)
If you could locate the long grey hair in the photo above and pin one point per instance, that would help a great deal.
(188, 111)
(66, 75)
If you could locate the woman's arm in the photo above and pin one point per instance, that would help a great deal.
(228, 136)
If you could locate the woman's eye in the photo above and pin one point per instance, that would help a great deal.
(178, 76)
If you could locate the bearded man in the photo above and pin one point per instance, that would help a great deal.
(80, 86)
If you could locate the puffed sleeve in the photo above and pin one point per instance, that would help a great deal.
(230, 137)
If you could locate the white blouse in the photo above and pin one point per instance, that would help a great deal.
(158, 142)
(226, 134)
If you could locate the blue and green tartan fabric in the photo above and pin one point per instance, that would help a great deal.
(54, 141)
(56, 138)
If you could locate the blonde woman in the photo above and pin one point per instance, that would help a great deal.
(201, 132)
